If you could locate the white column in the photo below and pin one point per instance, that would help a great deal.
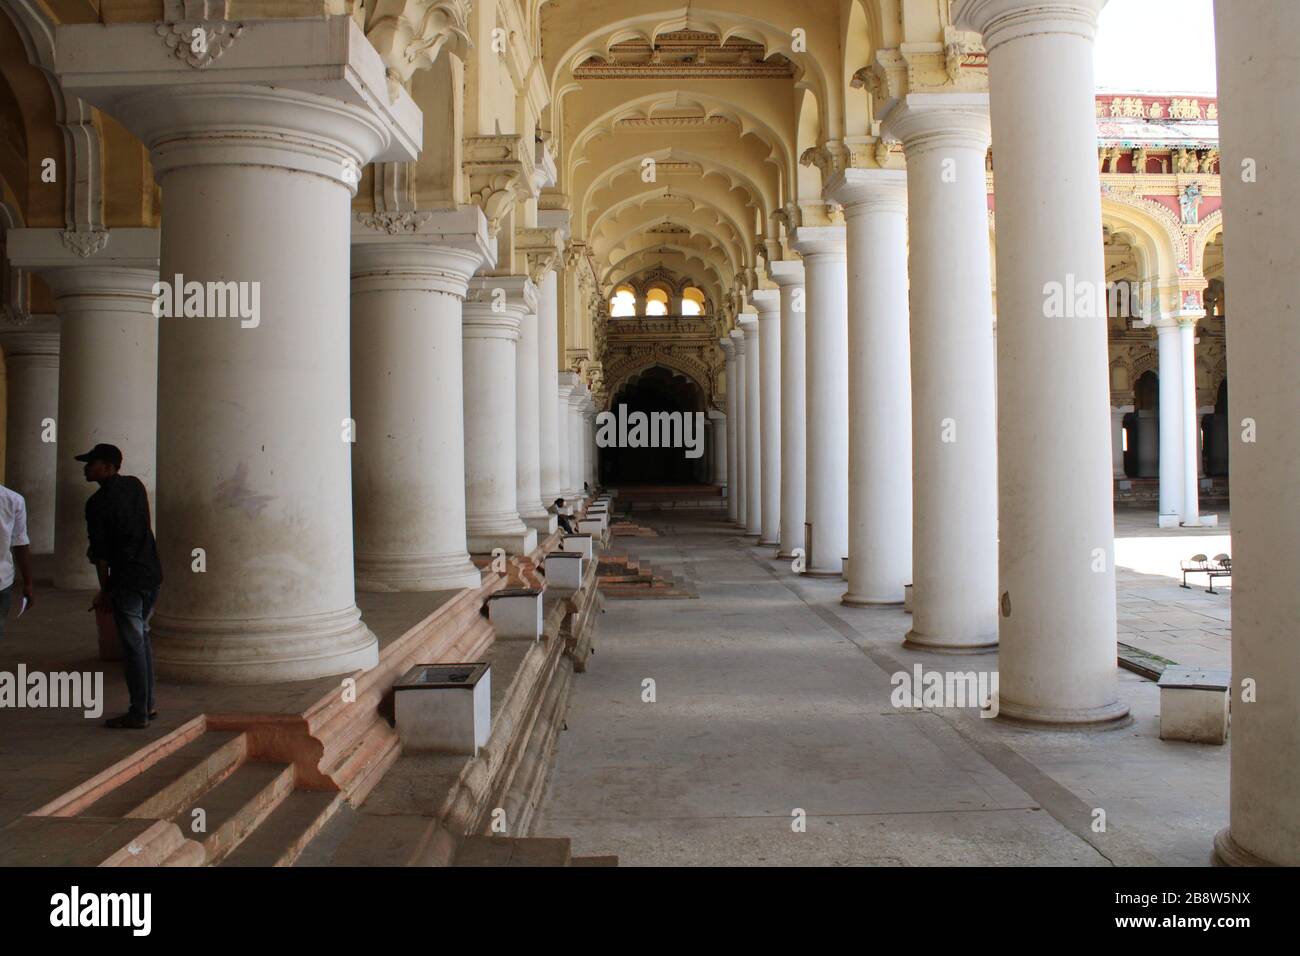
(827, 508)
(1256, 56)
(589, 422)
(741, 483)
(528, 422)
(31, 403)
(718, 447)
(789, 275)
(753, 427)
(954, 446)
(563, 392)
(494, 308)
(548, 381)
(1191, 423)
(577, 438)
(733, 469)
(108, 370)
(1117, 440)
(880, 385)
(1171, 424)
(768, 303)
(408, 462)
(253, 451)
(1056, 525)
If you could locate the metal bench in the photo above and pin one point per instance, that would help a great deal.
(1220, 566)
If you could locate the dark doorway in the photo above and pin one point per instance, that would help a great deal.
(1215, 435)
(657, 389)
(1142, 456)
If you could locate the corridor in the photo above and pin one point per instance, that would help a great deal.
(769, 697)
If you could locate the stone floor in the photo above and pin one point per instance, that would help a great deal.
(772, 698)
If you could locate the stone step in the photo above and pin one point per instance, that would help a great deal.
(287, 830)
(236, 806)
(513, 851)
(594, 861)
(176, 780)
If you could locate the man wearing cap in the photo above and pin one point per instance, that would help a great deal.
(125, 556)
(13, 549)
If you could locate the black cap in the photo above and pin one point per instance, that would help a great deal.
(101, 452)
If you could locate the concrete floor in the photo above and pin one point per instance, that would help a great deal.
(772, 697)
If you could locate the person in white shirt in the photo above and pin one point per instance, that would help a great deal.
(13, 549)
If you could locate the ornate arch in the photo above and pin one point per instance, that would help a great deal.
(1209, 227)
(641, 358)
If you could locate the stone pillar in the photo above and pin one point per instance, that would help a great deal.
(1056, 527)
(768, 303)
(1171, 427)
(253, 413)
(1117, 440)
(741, 483)
(789, 275)
(408, 461)
(593, 460)
(494, 308)
(548, 381)
(753, 427)
(827, 380)
(718, 448)
(1256, 55)
(733, 469)
(563, 392)
(32, 404)
(104, 294)
(577, 438)
(954, 441)
(880, 385)
(528, 422)
(1191, 423)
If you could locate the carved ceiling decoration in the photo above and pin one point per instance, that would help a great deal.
(686, 53)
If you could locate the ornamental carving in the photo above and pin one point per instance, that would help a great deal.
(409, 34)
(393, 223)
(199, 42)
(85, 242)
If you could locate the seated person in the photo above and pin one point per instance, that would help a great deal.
(563, 520)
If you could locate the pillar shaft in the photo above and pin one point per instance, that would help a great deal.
(880, 385)
(1170, 423)
(954, 464)
(741, 483)
(528, 423)
(32, 401)
(548, 380)
(1255, 47)
(733, 469)
(1191, 431)
(493, 311)
(408, 462)
(753, 427)
(768, 302)
(789, 275)
(827, 383)
(1056, 528)
(563, 391)
(1117, 439)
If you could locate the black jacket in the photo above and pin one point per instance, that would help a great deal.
(117, 520)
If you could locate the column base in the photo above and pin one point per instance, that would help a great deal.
(1228, 852)
(822, 573)
(512, 542)
(263, 650)
(392, 572)
(920, 642)
(1168, 521)
(768, 544)
(542, 524)
(1109, 716)
(852, 600)
(1203, 521)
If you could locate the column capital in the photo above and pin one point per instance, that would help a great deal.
(869, 190)
(748, 325)
(738, 341)
(495, 305)
(1003, 20)
(814, 241)
(767, 302)
(786, 272)
(37, 340)
(303, 94)
(926, 121)
(434, 250)
(728, 348)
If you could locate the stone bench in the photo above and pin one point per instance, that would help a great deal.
(1194, 704)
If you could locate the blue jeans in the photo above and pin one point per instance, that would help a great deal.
(131, 612)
